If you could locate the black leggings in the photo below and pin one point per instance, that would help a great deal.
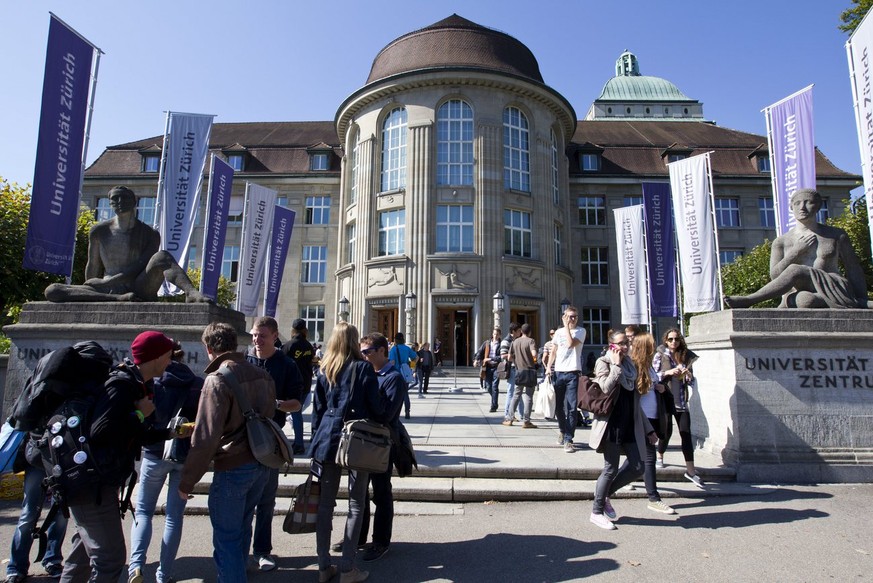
(683, 422)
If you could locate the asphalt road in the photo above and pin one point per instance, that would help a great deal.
(793, 533)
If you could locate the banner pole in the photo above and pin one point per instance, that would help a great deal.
(243, 236)
(715, 231)
(160, 201)
(646, 268)
(774, 178)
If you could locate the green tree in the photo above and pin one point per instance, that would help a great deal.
(854, 222)
(17, 284)
(226, 293)
(852, 17)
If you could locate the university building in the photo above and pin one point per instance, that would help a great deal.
(456, 189)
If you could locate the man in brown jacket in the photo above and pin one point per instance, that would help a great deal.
(220, 436)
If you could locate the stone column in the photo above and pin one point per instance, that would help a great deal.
(419, 194)
(489, 215)
(365, 226)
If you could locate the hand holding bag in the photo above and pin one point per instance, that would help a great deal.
(364, 445)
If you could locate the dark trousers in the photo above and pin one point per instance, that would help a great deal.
(613, 478)
(649, 470)
(566, 385)
(383, 516)
(98, 552)
(683, 422)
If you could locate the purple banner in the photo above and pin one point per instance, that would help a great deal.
(283, 223)
(661, 253)
(215, 231)
(792, 152)
(57, 177)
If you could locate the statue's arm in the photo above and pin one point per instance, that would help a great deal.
(778, 261)
(94, 267)
(854, 272)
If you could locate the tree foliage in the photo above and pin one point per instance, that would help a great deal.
(17, 284)
(852, 17)
(226, 293)
(854, 222)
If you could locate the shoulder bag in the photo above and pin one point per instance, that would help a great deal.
(591, 397)
(364, 445)
(266, 439)
(303, 512)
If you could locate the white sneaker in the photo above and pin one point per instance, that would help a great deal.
(266, 562)
(658, 506)
(601, 521)
(660, 464)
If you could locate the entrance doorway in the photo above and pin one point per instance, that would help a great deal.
(386, 323)
(453, 330)
(528, 317)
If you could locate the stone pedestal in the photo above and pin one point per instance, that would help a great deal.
(46, 326)
(786, 395)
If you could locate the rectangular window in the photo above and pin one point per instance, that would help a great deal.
(314, 318)
(317, 210)
(596, 323)
(766, 212)
(516, 233)
(595, 266)
(557, 242)
(633, 200)
(314, 269)
(823, 214)
(151, 163)
(590, 162)
(282, 201)
(454, 228)
(237, 162)
(592, 210)
(230, 263)
(103, 212)
(235, 210)
(763, 163)
(145, 209)
(192, 257)
(675, 157)
(729, 255)
(727, 212)
(392, 232)
(351, 240)
(318, 162)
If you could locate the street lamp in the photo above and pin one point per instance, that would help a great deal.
(410, 316)
(497, 308)
(565, 303)
(344, 309)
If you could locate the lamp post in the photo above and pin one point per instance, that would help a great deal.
(497, 308)
(343, 309)
(565, 303)
(410, 317)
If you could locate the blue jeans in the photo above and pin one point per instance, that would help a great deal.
(493, 385)
(262, 543)
(232, 499)
(19, 555)
(153, 474)
(330, 479)
(566, 385)
(613, 478)
(509, 392)
(297, 418)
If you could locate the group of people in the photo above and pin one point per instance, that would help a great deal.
(153, 407)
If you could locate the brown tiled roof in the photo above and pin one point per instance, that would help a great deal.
(635, 147)
(273, 147)
(455, 42)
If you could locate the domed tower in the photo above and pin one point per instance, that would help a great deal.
(454, 189)
(630, 95)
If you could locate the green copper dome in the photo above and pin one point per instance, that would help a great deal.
(629, 85)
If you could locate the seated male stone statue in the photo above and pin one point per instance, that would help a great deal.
(125, 262)
(805, 264)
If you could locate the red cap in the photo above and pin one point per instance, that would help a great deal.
(149, 346)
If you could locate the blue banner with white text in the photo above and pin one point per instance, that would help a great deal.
(215, 230)
(661, 252)
(283, 224)
(57, 177)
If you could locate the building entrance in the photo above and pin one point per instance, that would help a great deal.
(453, 330)
(386, 323)
(527, 317)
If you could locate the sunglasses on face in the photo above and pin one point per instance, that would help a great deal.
(674, 339)
(367, 351)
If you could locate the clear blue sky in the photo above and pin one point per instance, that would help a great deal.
(297, 60)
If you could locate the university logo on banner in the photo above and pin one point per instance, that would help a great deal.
(629, 240)
(689, 183)
(660, 250)
(257, 224)
(792, 152)
(57, 178)
(186, 144)
(859, 50)
(283, 224)
(215, 231)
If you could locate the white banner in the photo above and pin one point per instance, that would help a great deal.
(859, 49)
(257, 225)
(689, 183)
(630, 244)
(186, 144)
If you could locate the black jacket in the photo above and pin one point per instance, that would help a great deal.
(177, 387)
(286, 376)
(301, 352)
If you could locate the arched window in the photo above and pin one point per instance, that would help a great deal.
(455, 143)
(516, 150)
(555, 190)
(394, 150)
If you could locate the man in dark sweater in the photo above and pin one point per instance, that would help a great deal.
(264, 354)
(301, 352)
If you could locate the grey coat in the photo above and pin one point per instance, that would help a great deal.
(612, 377)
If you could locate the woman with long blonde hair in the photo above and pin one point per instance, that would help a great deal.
(651, 402)
(346, 389)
